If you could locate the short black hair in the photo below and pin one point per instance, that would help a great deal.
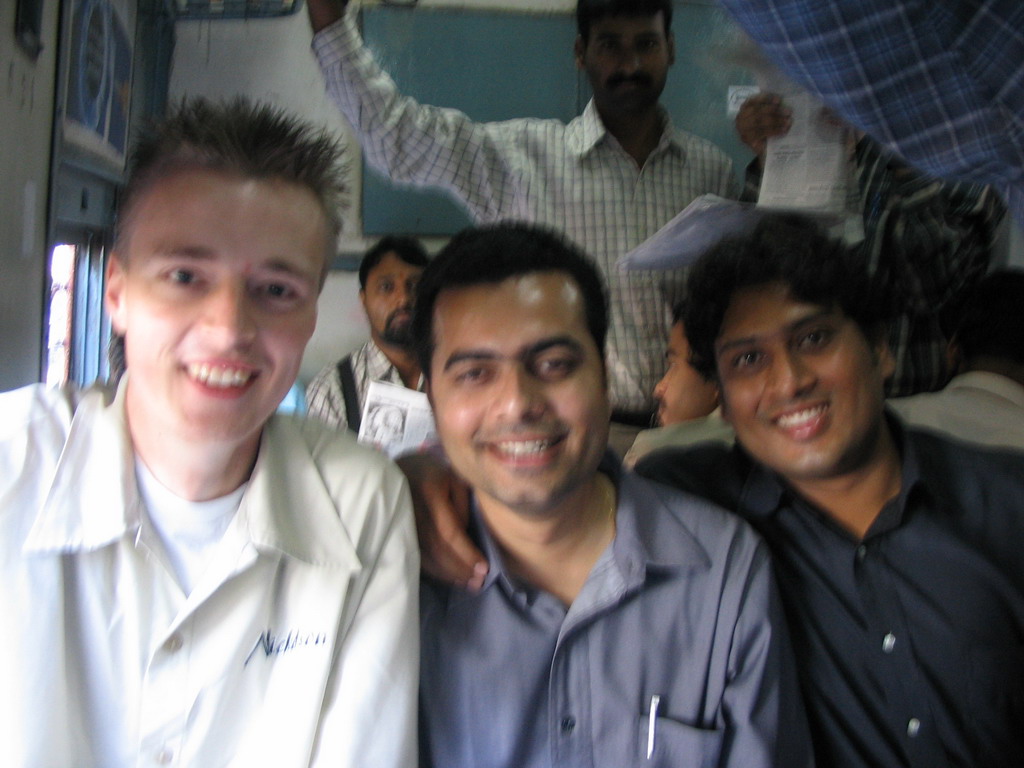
(782, 248)
(250, 139)
(589, 11)
(408, 249)
(494, 253)
(992, 322)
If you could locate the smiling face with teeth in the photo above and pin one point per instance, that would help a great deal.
(215, 291)
(802, 385)
(519, 392)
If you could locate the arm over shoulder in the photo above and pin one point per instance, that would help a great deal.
(417, 143)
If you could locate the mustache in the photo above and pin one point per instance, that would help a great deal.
(400, 311)
(639, 78)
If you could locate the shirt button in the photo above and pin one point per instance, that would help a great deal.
(174, 643)
(913, 726)
(568, 723)
(164, 756)
(888, 643)
(862, 552)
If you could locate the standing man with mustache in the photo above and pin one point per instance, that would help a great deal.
(609, 179)
(387, 281)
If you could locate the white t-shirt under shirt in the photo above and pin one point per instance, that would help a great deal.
(187, 531)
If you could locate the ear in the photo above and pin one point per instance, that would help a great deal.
(723, 403)
(578, 50)
(954, 356)
(883, 359)
(671, 49)
(114, 298)
(362, 298)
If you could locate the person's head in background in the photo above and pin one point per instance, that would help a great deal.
(388, 275)
(989, 335)
(225, 229)
(784, 320)
(626, 49)
(683, 394)
(510, 324)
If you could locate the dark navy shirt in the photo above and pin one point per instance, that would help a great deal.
(681, 607)
(910, 643)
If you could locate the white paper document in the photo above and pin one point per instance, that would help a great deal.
(396, 420)
(808, 168)
(692, 231)
(701, 225)
(807, 171)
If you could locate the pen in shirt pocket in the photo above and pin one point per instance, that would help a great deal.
(652, 720)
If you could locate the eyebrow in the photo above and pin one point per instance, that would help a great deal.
(394, 275)
(172, 251)
(786, 330)
(202, 254)
(530, 350)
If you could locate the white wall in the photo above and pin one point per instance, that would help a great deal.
(26, 116)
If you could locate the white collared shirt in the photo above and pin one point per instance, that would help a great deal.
(978, 407)
(298, 645)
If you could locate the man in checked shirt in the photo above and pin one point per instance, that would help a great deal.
(609, 179)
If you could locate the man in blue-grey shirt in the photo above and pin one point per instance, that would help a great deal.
(898, 554)
(621, 622)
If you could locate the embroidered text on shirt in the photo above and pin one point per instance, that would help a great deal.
(274, 645)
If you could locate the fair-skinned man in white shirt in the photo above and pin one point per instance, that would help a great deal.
(188, 578)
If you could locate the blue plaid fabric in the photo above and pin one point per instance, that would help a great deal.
(939, 81)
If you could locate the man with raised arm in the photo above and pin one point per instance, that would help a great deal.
(622, 623)
(897, 553)
(609, 179)
(187, 578)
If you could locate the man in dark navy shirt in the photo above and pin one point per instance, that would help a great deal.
(898, 554)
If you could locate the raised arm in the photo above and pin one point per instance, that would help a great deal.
(323, 13)
(761, 117)
(928, 238)
(411, 142)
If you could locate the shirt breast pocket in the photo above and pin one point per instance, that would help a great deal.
(676, 745)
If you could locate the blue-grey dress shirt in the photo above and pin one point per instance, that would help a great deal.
(675, 647)
(911, 641)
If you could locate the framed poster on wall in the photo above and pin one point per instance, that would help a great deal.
(99, 82)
